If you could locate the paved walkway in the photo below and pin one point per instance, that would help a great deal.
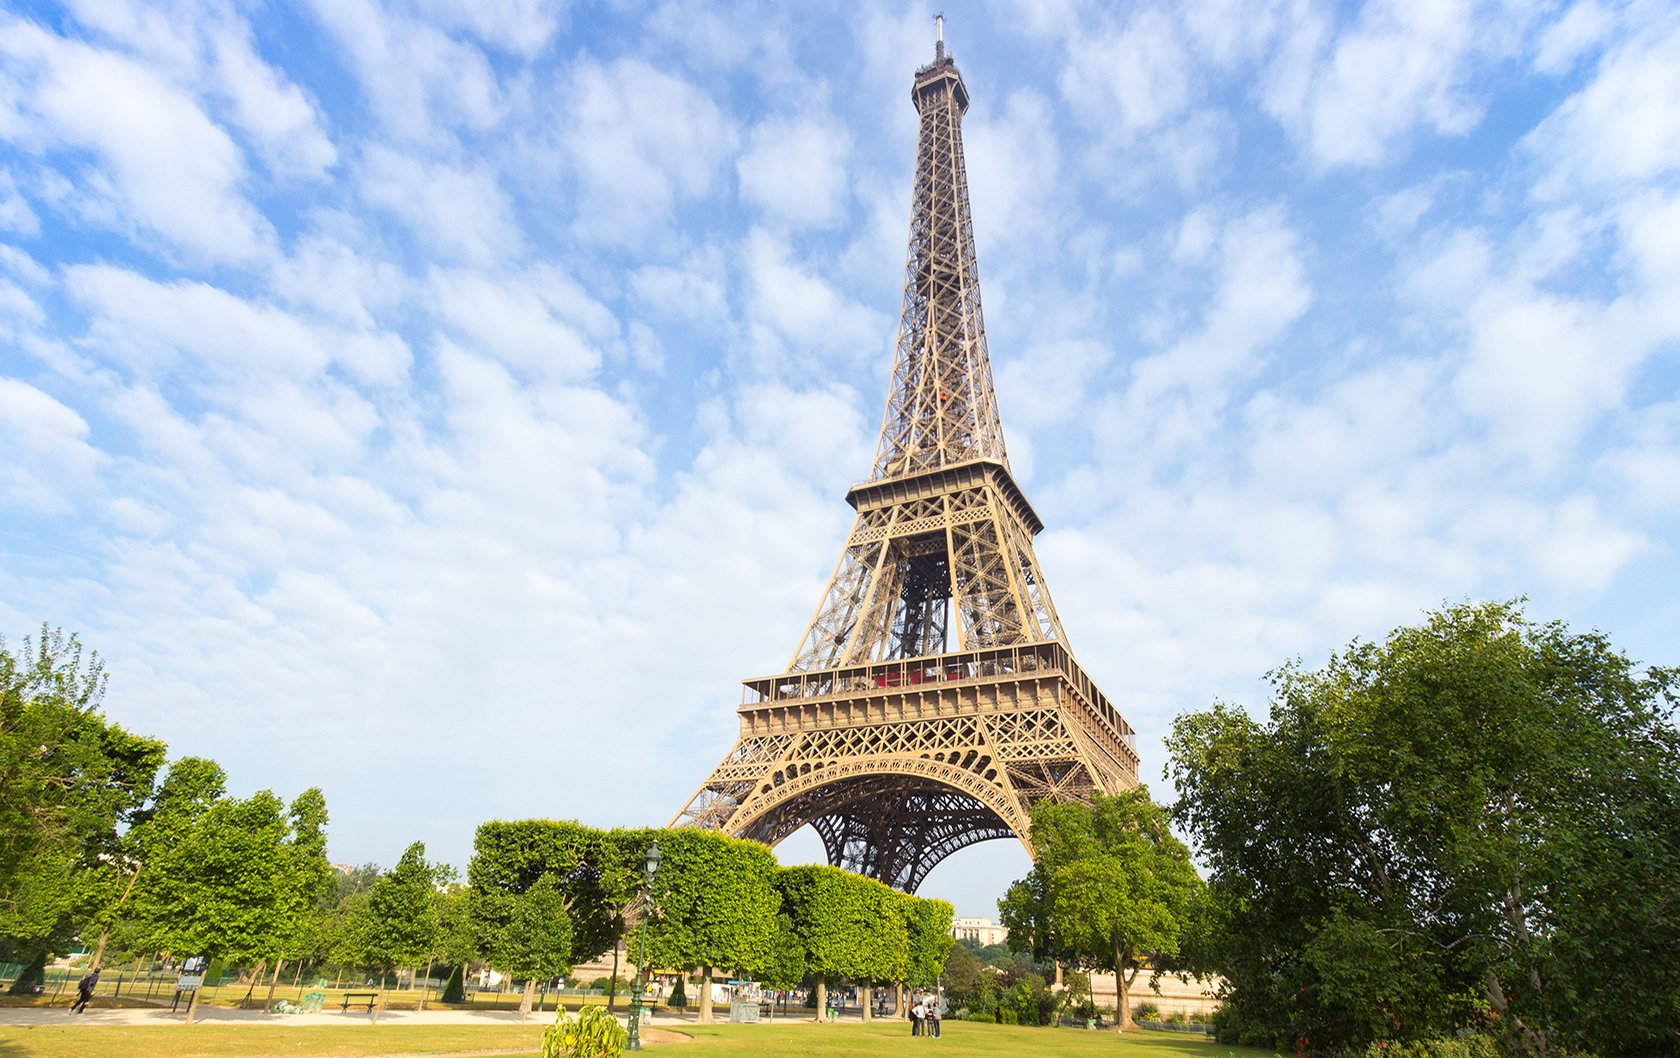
(208, 1015)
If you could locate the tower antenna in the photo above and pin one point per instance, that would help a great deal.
(939, 35)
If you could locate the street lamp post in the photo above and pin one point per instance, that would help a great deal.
(634, 1043)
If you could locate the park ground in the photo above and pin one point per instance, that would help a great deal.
(59, 1037)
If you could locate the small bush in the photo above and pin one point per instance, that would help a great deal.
(590, 1033)
(986, 1018)
(1458, 1047)
(1006, 1016)
(1146, 1012)
(678, 997)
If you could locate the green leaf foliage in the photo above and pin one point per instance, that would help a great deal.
(402, 911)
(528, 933)
(598, 872)
(70, 781)
(714, 900)
(851, 927)
(927, 928)
(589, 1033)
(1110, 888)
(232, 878)
(1474, 824)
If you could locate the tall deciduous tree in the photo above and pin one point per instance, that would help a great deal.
(402, 911)
(714, 905)
(1474, 822)
(928, 936)
(69, 782)
(527, 933)
(228, 877)
(1110, 889)
(851, 927)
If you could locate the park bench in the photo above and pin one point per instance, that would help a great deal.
(371, 997)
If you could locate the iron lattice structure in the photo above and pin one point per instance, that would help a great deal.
(933, 697)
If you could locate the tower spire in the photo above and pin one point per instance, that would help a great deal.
(941, 408)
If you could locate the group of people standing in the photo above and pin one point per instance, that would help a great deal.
(926, 1008)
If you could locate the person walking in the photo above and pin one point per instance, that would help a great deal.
(84, 992)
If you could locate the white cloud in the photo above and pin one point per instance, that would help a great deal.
(15, 214)
(518, 322)
(1130, 78)
(458, 211)
(640, 141)
(523, 27)
(804, 309)
(423, 84)
(794, 169)
(1015, 180)
(44, 454)
(1621, 129)
(1355, 98)
(207, 49)
(165, 165)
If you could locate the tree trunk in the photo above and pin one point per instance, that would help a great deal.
(705, 995)
(866, 997)
(822, 999)
(525, 999)
(1122, 987)
(898, 999)
(272, 982)
(428, 989)
(612, 982)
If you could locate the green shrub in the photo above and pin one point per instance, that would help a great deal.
(989, 1019)
(1007, 1016)
(1146, 1012)
(590, 1033)
(1451, 1047)
(678, 997)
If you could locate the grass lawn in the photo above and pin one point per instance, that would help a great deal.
(800, 1040)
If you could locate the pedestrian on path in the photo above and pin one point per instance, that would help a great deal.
(84, 992)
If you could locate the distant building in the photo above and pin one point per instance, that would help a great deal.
(981, 930)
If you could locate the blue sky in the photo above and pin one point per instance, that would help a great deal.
(448, 405)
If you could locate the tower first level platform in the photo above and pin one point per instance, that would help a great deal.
(898, 764)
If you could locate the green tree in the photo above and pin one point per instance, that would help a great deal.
(1111, 888)
(851, 927)
(928, 938)
(69, 782)
(527, 933)
(402, 911)
(1475, 823)
(714, 904)
(225, 877)
(456, 942)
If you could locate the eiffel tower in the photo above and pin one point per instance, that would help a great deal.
(933, 697)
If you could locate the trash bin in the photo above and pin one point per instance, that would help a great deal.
(312, 1002)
